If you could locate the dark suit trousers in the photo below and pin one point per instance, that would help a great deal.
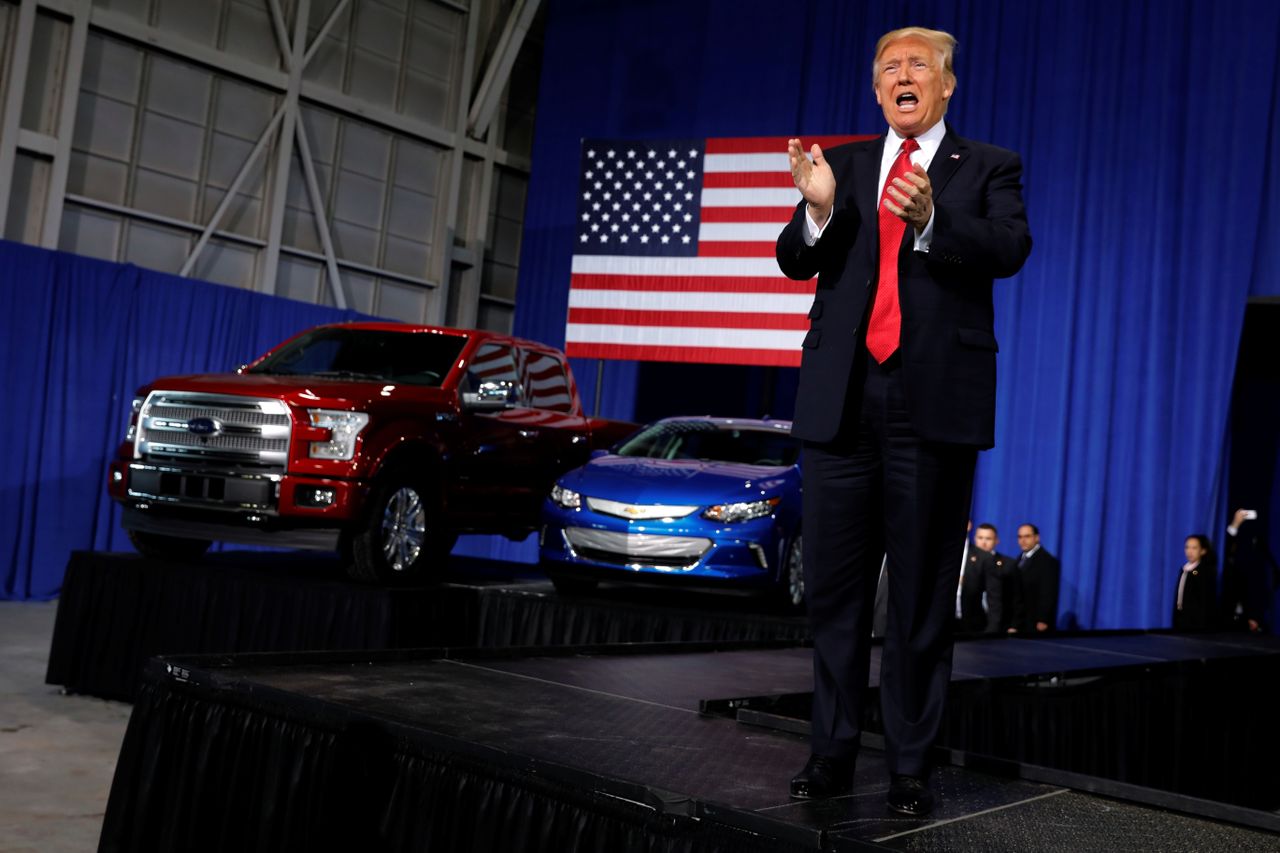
(876, 489)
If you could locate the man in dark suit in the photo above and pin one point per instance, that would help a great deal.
(978, 600)
(1039, 575)
(988, 539)
(1248, 574)
(897, 394)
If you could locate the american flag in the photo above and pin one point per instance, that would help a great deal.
(674, 252)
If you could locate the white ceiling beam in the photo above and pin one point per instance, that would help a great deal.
(498, 72)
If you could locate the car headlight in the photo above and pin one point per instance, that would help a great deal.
(741, 511)
(343, 428)
(567, 498)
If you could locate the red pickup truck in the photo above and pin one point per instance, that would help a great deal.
(380, 440)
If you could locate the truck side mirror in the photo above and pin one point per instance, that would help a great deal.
(491, 396)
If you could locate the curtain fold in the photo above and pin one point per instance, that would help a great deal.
(1148, 132)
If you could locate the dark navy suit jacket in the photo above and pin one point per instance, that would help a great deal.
(948, 343)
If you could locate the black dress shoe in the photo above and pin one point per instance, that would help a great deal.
(824, 776)
(910, 795)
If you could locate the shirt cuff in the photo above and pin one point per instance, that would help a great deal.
(925, 237)
(1232, 530)
(812, 232)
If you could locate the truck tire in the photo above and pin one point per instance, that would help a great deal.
(791, 584)
(400, 536)
(171, 548)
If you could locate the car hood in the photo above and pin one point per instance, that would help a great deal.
(676, 481)
(301, 391)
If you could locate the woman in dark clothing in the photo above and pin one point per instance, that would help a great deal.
(1195, 601)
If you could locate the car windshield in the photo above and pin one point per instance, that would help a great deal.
(409, 358)
(710, 441)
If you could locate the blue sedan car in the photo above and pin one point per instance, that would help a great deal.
(710, 499)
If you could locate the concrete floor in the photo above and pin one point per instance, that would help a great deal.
(57, 752)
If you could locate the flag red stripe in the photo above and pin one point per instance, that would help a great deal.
(697, 355)
(780, 215)
(774, 144)
(735, 249)
(721, 180)
(688, 319)
(689, 283)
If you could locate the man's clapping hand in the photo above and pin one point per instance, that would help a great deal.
(913, 196)
(814, 179)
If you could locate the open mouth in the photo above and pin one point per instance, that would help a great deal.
(907, 101)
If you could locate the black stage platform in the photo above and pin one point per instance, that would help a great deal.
(650, 748)
(117, 610)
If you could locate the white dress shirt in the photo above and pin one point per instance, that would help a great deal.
(923, 156)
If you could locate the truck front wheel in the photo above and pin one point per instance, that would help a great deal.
(400, 535)
(173, 548)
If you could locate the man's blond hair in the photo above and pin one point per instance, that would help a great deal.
(942, 42)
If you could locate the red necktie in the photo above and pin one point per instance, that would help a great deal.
(885, 326)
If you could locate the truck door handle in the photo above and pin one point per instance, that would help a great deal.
(528, 433)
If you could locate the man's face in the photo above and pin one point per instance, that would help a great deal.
(910, 85)
(985, 539)
(1027, 538)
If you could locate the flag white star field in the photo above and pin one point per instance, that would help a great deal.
(674, 252)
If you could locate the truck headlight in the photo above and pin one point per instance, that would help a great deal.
(343, 428)
(741, 511)
(132, 432)
(567, 498)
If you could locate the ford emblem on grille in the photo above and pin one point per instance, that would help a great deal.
(204, 426)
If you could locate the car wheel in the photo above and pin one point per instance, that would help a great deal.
(400, 535)
(793, 575)
(159, 547)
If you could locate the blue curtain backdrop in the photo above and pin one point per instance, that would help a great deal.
(80, 336)
(1149, 135)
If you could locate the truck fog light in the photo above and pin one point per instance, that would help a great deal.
(315, 496)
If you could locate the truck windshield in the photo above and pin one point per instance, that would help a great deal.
(409, 358)
(714, 442)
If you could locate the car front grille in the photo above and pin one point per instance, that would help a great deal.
(644, 549)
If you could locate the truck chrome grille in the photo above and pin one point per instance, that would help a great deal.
(243, 432)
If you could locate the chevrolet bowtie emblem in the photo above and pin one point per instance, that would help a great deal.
(632, 510)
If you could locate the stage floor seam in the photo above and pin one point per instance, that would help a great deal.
(939, 823)
(570, 686)
(1111, 652)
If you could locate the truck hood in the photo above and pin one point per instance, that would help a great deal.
(299, 391)
(677, 481)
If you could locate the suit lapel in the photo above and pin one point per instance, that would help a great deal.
(867, 174)
(866, 189)
(951, 153)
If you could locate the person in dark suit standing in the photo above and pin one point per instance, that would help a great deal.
(1039, 575)
(978, 600)
(987, 538)
(1248, 574)
(1196, 597)
(906, 234)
